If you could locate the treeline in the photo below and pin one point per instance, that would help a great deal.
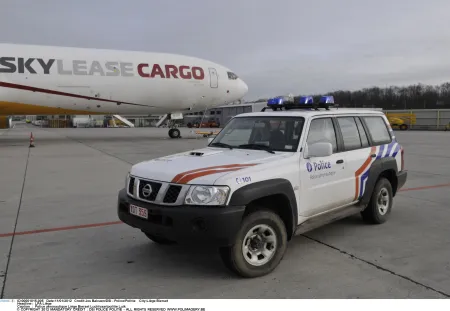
(417, 96)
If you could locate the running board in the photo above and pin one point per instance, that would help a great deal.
(327, 218)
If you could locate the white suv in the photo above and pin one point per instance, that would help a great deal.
(266, 177)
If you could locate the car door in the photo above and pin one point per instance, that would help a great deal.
(358, 156)
(323, 180)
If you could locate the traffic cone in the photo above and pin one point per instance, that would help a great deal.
(31, 140)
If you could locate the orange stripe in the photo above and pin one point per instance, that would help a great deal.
(188, 178)
(181, 175)
(362, 169)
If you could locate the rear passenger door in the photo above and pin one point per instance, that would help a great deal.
(357, 153)
(323, 184)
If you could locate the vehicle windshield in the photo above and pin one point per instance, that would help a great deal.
(261, 133)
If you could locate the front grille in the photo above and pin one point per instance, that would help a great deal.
(172, 194)
(162, 193)
(143, 194)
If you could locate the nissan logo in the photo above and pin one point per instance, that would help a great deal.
(147, 190)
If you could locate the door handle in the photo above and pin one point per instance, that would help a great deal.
(373, 155)
(339, 161)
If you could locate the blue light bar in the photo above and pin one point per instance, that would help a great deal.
(275, 101)
(306, 100)
(326, 100)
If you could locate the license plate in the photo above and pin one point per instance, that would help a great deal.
(138, 211)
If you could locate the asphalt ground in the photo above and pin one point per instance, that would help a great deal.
(60, 236)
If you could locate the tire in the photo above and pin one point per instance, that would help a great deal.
(174, 133)
(403, 127)
(376, 213)
(233, 256)
(159, 240)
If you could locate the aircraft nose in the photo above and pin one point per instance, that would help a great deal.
(243, 88)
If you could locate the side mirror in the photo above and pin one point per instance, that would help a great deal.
(210, 139)
(318, 150)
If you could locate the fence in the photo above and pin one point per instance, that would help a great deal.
(420, 119)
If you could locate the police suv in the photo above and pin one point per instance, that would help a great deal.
(266, 177)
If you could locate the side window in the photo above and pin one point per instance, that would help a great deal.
(350, 133)
(378, 130)
(322, 130)
(362, 133)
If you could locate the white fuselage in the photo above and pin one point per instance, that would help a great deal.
(64, 80)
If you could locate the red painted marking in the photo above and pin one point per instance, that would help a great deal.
(181, 175)
(425, 187)
(184, 72)
(361, 170)
(187, 178)
(4, 235)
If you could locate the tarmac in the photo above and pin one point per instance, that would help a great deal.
(60, 236)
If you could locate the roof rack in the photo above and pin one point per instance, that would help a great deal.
(305, 102)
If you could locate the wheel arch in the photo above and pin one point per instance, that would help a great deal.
(276, 195)
(385, 167)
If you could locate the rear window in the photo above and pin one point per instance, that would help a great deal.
(378, 130)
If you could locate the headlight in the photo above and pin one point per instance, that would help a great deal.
(207, 195)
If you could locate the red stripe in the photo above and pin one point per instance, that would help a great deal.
(181, 175)
(61, 228)
(53, 92)
(188, 178)
(425, 187)
(362, 169)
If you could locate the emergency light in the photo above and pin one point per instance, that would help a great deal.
(305, 100)
(326, 100)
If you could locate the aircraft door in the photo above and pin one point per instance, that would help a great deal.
(214, 79)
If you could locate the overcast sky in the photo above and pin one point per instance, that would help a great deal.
(277, 47)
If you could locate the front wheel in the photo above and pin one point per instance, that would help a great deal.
(259, 246)
(380, 205)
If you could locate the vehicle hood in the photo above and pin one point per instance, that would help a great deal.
(201, 166)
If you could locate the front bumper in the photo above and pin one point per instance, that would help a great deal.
(401, 179)
(184, 224)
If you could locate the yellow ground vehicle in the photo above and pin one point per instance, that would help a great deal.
(403, 121)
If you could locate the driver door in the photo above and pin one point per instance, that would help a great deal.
(322, 178)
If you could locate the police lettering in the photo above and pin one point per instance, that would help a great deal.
(321, 165)
(170, 71)
(35, 65)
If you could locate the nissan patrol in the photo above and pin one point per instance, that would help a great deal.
(266, 177)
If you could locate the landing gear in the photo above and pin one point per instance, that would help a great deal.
(173, 132)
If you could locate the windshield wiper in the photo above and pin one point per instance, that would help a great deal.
(221, 145)
(257, 146)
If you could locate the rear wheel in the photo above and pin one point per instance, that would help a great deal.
(259, 246)
(380, 205)
(403, 127)
(159, 240)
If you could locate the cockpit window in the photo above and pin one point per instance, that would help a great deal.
(232, 76)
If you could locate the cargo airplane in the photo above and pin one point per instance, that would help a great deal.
(50, 80)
